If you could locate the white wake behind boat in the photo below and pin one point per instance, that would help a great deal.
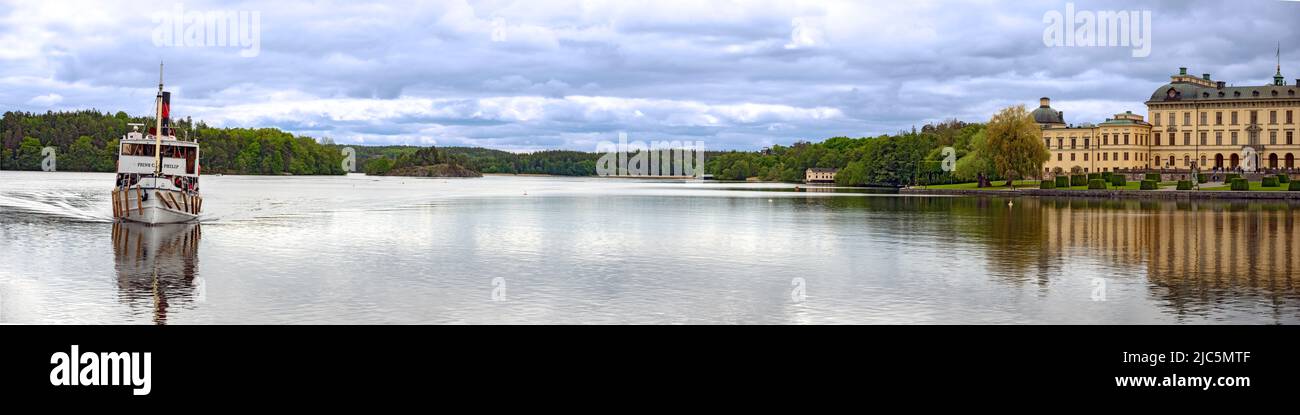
(157, 174)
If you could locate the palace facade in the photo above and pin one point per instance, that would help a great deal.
(1194, 123)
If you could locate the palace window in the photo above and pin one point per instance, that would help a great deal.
(1234, 138)
(1058, 156)
(1157, 138)
(1156, 119)
(1234, 118)
(1272, 137)
(1105, 156)
(1272, 117)
(1187, 118)
(1172, 121)
(1187, 160)
(1289, 120)
(1047, 142)
(1073, 141)
(1218, 118)
(1288, 138)
(1218, 138)
(1254, 117)
(1060, 143)
(1203, 136)
(1203, 115)
(1071, 156)
(1187, 138)
(1125, 139)
(1125, 156)
(1115, 156)
(1085, 142)
(1085, 156)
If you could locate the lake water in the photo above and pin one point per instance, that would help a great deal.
(357, 249)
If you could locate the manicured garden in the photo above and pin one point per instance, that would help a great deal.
(1106, 181)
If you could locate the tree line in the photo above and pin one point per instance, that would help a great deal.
(1007, 147)
(87, 140)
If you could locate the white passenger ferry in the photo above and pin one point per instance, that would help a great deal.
(157, 174)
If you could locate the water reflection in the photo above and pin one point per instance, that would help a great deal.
(1196, 256)
(157, 266)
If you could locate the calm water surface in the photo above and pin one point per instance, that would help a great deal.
(357, 249)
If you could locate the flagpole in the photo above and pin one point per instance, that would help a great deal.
(157, 136)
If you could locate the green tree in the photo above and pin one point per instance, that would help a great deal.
(81, 155)
(29, 154)
(1014, 145)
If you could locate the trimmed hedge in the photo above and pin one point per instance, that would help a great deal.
(1047, 184)
(1096, 184)
(1184, 185)
(1118, 180)
(1093, 176)
(1270, 181)
(1078, 180)
(1062, 181)
(1149, 185)
(1240, 184)
(1202, 178)
(1294, 186)
(1227, 178)
(1105, 176)
(1284, 179)
(1155, 177)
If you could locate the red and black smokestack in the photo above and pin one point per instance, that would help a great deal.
(166, 113)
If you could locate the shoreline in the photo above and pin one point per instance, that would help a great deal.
(1115, 194)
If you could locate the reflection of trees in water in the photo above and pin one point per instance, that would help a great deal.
(156, 265)
(1197, 256)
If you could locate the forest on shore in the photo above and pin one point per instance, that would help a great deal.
(87, 140)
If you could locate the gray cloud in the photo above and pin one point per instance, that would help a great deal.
(526, 75)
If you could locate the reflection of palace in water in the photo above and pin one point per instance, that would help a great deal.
(1205, 248)
(157, 266)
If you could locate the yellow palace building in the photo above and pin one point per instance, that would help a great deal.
(1192, 122)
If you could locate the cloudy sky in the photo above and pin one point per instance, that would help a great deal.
(541, 74)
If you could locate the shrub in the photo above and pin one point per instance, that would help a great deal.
(1078, 180)
(1062, 181)
(1184, 185)
(1094, 176)
(1118, 180)
(1047, 184)
(1155, 177)
(1227, 178)
(1096, 184)
(1202, 178)
(1294, 186)
(1106, 176)
(1149, 185)
(1240, 184)
(1283, 179)
(1270, 181)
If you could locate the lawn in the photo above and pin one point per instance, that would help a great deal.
(1254, 187)
(998, 185)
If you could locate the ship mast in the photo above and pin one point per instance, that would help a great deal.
(157, 136)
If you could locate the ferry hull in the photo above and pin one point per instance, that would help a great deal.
(154, 206)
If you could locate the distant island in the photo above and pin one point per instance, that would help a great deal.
(424, 162)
